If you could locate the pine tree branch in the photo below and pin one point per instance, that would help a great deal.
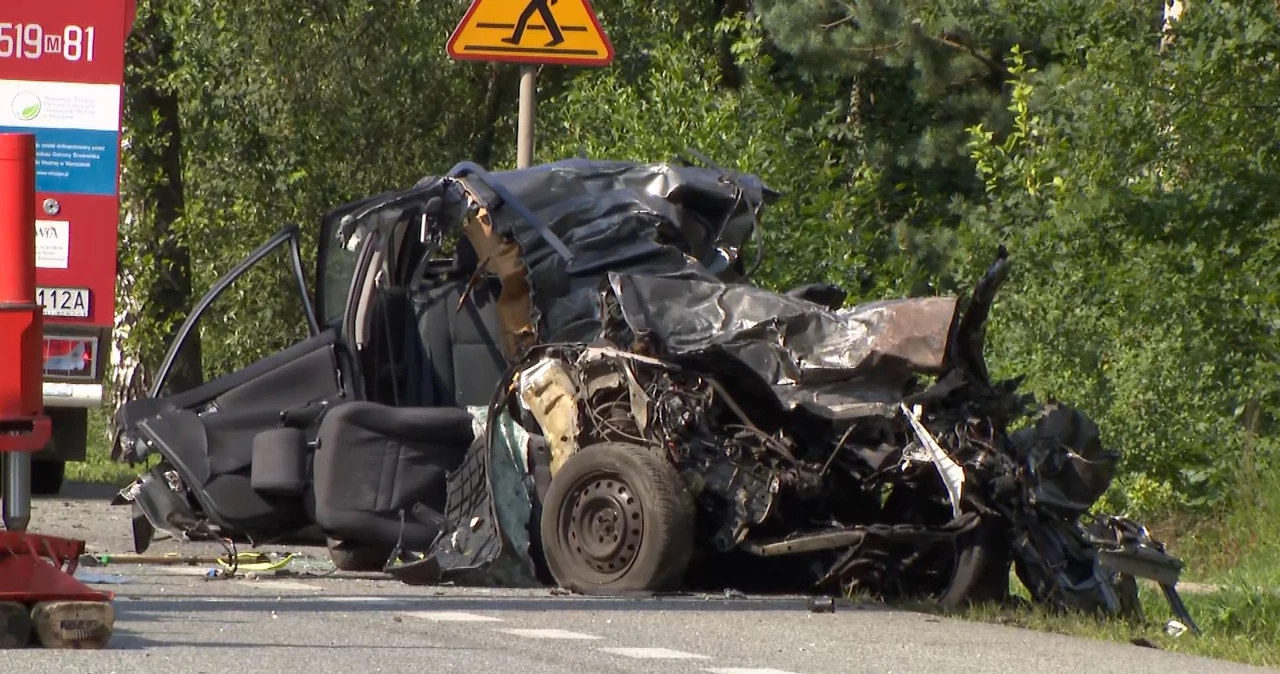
(847, 19)
(875, 48)
(852, 16)
(990, 63)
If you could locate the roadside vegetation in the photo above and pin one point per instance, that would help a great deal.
(98, 468)
(1124, 150)
(1239, 624)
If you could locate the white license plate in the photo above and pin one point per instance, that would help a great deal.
(69, 302)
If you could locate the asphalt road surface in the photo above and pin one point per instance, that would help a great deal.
(170, 620)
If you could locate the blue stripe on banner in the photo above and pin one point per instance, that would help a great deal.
(75, 161)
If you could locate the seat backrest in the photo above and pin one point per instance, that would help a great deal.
(461, 344)
(465, 258)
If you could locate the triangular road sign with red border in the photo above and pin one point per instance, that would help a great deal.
(558, 32)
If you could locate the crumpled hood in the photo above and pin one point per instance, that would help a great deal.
(838, 360)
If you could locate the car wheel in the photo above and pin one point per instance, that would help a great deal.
(617, 518)
(47, 477)
(981, 570)
(356, 557)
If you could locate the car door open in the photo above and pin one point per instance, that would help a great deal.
(209, 434)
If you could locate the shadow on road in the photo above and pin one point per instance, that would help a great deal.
(82, 491)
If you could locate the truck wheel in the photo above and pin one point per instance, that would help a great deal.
(47, 477)
(617, 518)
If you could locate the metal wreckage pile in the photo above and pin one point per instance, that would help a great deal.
(666, 425)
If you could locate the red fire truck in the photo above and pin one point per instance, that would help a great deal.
(61, 74)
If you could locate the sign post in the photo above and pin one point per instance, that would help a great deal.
(565, 32)
(528, 109)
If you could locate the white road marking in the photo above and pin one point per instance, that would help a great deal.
(277, 585)
(549, 634)
(654, 653)
(746, 670)
(169, 571)
(451, 617)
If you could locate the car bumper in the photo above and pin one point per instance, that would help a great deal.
(61, 394)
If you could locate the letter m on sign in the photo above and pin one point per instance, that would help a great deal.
(53, 44)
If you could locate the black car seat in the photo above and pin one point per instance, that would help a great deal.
(463, 360)
(373, 461)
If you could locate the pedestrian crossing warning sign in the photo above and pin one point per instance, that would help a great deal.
(559, 32)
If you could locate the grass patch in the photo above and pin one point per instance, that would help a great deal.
(1232, 563)
(1237, 545)
(98, 468)
(1239, 625)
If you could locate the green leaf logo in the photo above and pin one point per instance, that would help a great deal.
(26, 106)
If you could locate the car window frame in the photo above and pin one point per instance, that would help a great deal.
(289, 235)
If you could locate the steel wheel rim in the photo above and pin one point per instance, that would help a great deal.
(601, 527)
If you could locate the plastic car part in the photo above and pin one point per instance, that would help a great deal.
(470, 552)
(618, 518)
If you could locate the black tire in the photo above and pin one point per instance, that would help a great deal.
(47, 477)
(981, 571)
(600, 487)
(357, 558)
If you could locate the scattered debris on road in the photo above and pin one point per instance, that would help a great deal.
(822, 605)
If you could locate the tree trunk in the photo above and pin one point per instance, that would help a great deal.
(730, 74)
(482, 153)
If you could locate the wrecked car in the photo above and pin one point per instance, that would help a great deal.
(404, 315)
(586, 392)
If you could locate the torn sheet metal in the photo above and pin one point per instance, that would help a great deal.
(1070, 467)
(614, 216)
(551, 396)
(850, 363)
(842, 498)
(952, 473)
(608, 216)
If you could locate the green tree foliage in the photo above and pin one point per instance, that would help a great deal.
(153, 259)
(1140, 190)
